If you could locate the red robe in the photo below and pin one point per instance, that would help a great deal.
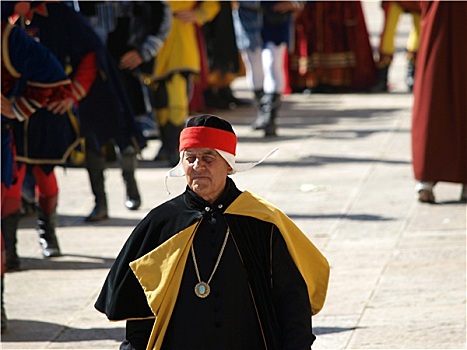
(439, 124)
(332, 47)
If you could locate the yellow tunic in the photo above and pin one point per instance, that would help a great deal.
(180, 51)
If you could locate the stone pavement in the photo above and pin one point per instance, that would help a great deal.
(343, 173)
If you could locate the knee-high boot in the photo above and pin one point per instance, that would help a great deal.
(95, 165)
(258, 96)
(9, 228)
(168, 152)
(172, 142)
(267, 114)
(160, 156)
(129, 162)
(46, 223)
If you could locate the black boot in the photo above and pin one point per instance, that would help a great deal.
(129, 163)
(258, 96)
(173, 141)
(233, 102)
(410, 74)
(260, 101)
(381, 80)
(160, 156)
(9, 228)
(4, 318)
(95, 164)
(168, 152)
(46, 224)
(267, 114)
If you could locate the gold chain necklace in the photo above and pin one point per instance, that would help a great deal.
(202, 289)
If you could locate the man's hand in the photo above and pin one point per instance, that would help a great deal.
(186, 16)
(130, 60)
(60, 107)
(7, 111)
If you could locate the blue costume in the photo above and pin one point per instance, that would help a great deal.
(104, 110)
(31, 77)
(68, 35)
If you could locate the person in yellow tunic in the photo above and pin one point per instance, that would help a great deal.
(176, 64)
(215, 267)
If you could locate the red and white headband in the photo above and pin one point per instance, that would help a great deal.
(224, 142)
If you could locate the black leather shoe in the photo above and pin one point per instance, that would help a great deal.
(132, 203)
(98, 213)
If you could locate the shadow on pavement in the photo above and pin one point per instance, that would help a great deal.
(329, 330)
(66, 262)
(37, 331)
(76, 221)
(357, 217)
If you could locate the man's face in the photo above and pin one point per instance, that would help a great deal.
(206, 172)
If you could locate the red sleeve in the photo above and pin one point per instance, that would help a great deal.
(84, 77)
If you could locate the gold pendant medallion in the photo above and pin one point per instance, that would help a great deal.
(202, 290)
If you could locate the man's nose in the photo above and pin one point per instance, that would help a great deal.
(198, 164)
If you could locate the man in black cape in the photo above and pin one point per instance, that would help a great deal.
(215, 267)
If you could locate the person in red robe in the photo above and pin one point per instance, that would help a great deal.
(439, 123)
(332, 51)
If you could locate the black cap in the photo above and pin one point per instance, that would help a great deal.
(211, 121)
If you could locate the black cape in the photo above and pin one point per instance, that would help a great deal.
(130, 294)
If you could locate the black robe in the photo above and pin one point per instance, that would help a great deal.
(256, 257)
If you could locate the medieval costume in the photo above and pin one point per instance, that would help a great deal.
(137, 28)
(332, 50)
(177, 63)
(263, 32)
(222, 61)
(31, 78)
(439, 117)
(70, 38)
(266, 283)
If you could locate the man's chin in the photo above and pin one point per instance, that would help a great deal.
(199, 187)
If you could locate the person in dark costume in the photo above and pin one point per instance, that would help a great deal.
(133, 32)
(64, 33)
(223, 60)
(215, 267)
(31, 78)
